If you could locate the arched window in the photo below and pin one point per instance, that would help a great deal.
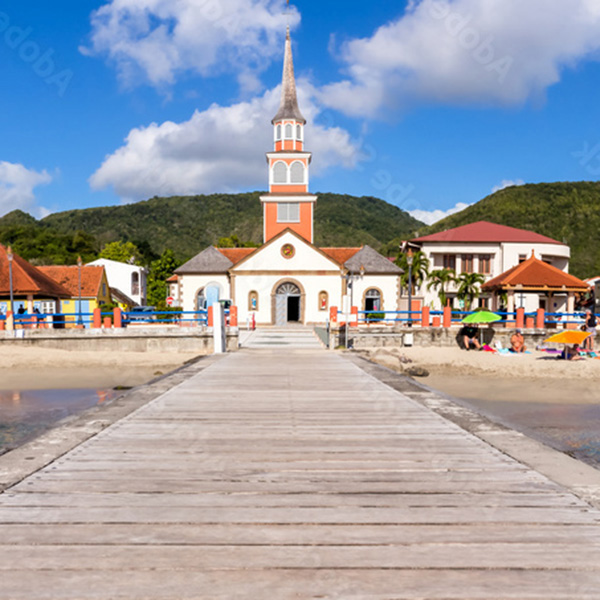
(253, 301)
(278, 132)
(299, 132)
(288, 132)
(201, 300)
(135, 283)
(323, 300)
(373, 300)
(297, 173)
(280, 172)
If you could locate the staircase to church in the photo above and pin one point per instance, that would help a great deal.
(282, 337)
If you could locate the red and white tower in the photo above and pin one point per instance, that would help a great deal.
(288, 203)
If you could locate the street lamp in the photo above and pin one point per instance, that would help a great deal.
(79, 264)
(350, 278)
(9, 255)
(409, 260)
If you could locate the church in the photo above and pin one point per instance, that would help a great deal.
(288, 279)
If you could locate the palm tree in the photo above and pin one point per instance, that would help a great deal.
(419, 271)
(439, 280)
(469, 287)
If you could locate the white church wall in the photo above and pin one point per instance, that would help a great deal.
(386, 284)
(192, 284)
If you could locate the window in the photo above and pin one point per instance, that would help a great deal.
(253, 301)
(135, 283)
(288, 212)
(104, 290)
(298, 132)
(48, 307)
(288, 132)
(297, 173)
(278, 132)
(280, 172)
(467, 263)
(201, 300)
(373, 300)
(485, 264)
(449, 261)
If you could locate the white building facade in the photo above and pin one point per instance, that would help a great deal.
(128, 279)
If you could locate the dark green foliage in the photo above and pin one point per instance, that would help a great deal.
(160, 270)
(188, 224)
(566, 212)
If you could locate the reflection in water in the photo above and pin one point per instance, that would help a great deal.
(26, 414)
(570, 428)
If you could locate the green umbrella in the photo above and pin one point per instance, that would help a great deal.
(481, 316)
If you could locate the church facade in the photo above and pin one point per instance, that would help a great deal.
(289, 279)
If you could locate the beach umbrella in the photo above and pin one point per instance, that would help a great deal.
(481, 316)
(568, 336)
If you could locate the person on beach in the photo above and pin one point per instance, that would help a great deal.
(590, 327)
(571, 353)
(470, 337)
(517, 342)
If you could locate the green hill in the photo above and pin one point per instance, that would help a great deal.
(567, 212)
(187, 224)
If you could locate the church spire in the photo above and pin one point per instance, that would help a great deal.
(288, 109)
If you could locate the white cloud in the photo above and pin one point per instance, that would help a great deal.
(507, 183)
(17, 184)
(158, 39)
(497, 52)
(429, 217)
(220, 149)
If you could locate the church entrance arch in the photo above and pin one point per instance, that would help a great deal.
(288, 303)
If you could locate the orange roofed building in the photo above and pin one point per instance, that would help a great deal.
(535, 284)
(288, 279)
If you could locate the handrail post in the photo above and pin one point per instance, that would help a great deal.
(541, 319)
(425, 315)
(520, 320)
(447, 317)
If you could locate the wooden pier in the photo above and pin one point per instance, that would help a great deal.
(286, 473)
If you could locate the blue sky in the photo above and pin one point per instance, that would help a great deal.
(428, 104)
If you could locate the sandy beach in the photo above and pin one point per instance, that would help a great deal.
(31, 368)
(534, 377)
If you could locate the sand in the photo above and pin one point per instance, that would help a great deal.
(535, 377)
(31, 368)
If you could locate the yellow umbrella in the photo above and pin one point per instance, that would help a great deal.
(569, 336)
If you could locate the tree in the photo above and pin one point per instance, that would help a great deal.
(125, 252)
(439, 281)
(233, 241)
(419, 271)
(160, 270)
(469, 287)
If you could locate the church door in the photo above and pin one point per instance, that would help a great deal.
(287, 304)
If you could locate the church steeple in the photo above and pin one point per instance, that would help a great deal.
(288, 203)
(288, 109)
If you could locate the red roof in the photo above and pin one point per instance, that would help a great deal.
(68, 277)
(340, 255)
(27, 279)
(534, 273)
(236, 254)
(173, 279)
(484, 231)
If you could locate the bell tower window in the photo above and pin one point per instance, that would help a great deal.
(280, 172)
(288, 212)
(288, 132)
(278, 132)
(297, 173)
(299, 133)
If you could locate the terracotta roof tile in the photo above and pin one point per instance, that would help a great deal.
(340, 255)
(68, 277)
(236, 254)
(534, 273)
(484, 231)
(27, 279)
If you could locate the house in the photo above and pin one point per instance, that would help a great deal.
(288, 279)
(128, 279)
(87, 286)
(31, 288)
(486, 248)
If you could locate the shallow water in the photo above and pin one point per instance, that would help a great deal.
(26, 414)
(570, 428)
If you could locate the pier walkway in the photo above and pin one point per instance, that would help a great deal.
(292, 473)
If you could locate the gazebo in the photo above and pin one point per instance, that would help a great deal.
(535, 284)
(28, 283)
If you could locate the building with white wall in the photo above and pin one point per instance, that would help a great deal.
(288, 279)
(128, 279)
(488, 249)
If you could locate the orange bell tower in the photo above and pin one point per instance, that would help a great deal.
(288, 203)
